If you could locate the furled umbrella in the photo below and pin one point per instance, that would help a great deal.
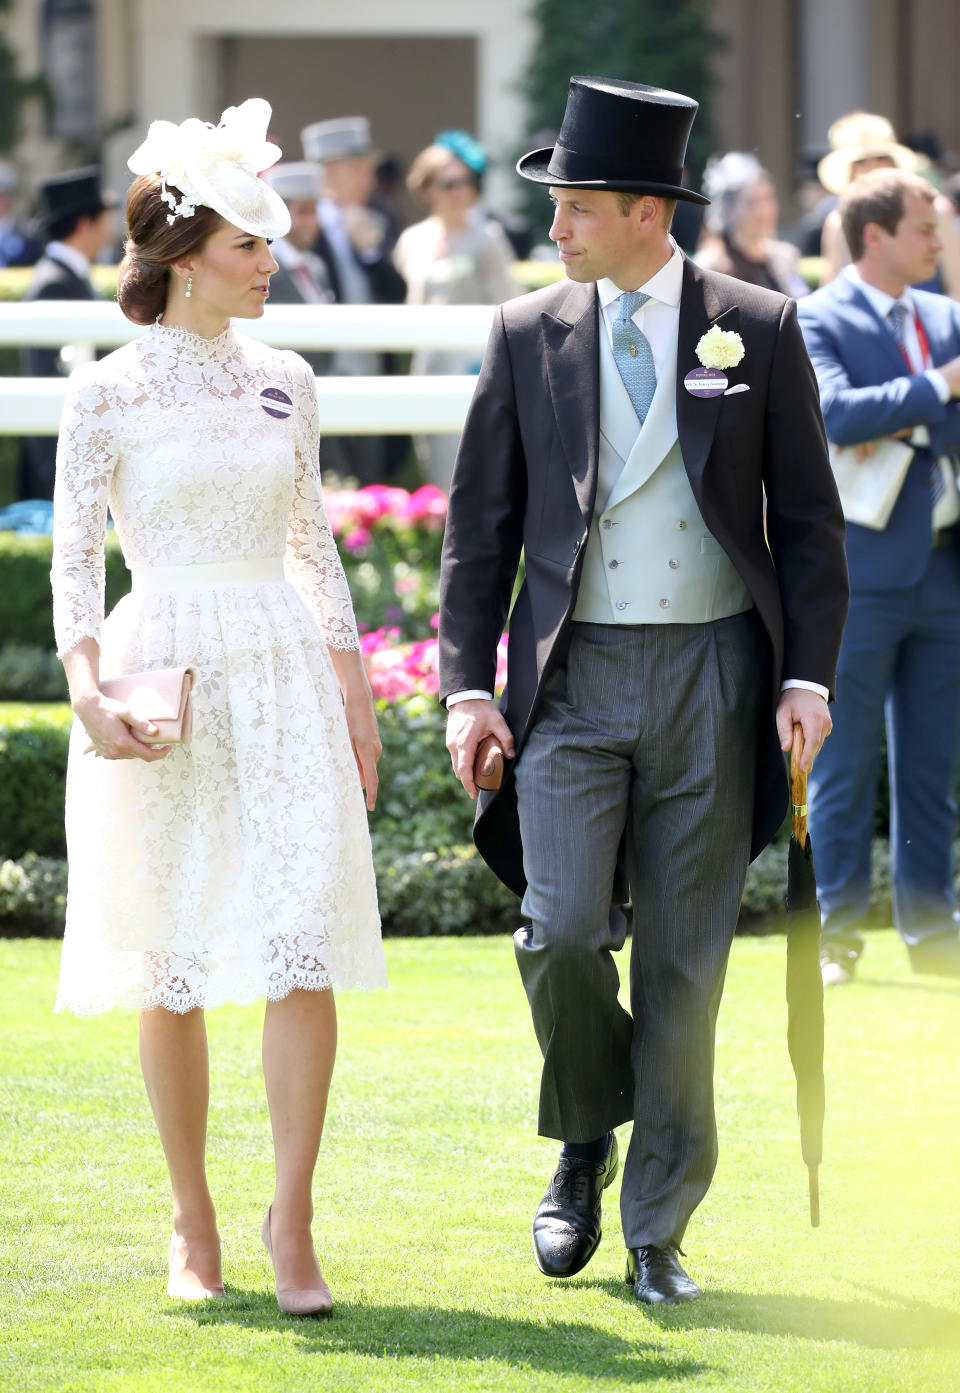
(804, 982)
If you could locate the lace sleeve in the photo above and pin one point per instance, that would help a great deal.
(87, 453)
(312, 560)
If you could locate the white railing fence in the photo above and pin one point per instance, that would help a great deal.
(348, 406)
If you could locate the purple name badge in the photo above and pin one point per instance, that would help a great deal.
(705, 382)
(276, 403)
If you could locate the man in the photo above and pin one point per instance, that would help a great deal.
(886, 359)
(352, 242)
(78, 222)
(645, 653)
(302, 278)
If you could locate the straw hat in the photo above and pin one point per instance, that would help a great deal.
(860, 135)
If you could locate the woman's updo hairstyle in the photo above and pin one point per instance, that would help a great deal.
(153, 245)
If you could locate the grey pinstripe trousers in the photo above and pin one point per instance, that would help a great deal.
(647, 735)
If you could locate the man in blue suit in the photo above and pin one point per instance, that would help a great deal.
(887, 360)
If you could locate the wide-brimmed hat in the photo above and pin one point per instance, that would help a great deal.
(74, 194)
(618, 135)
(861, 135)
(218, 167)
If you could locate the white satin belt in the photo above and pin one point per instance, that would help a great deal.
(155, 580)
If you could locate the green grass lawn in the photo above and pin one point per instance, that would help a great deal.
(427, 1183)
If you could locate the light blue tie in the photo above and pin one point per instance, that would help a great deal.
(897, 315)
(632, 353)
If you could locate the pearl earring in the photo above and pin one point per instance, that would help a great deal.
(189, 286)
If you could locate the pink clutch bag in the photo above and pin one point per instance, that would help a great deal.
(161, 696)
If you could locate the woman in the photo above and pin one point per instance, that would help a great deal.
(456, 256)
(861, 142)
(238, 866)
(741, 226)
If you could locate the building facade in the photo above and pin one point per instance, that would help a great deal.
(784, 70)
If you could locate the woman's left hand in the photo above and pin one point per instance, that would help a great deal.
(365, 739)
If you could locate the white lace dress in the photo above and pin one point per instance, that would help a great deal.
(238, 866)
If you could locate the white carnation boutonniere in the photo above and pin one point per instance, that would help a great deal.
(720, 348)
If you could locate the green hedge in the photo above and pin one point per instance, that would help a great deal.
(421, 894)
(421, 807)
(33, 757)
(429, 877)
(25, 603)
(394, 581)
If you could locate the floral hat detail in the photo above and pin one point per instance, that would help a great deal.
(218, 167)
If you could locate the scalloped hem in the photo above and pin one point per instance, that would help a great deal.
(180, 1003)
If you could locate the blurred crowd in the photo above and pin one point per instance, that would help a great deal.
(353, 241)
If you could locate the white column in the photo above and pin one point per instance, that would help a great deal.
(841, 42)
(501, 115)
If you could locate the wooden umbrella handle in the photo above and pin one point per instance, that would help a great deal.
(814, 1186)
(798, 788)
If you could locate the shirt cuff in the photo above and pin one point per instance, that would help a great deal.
(468, 694)
(940, 384)
(806, 687)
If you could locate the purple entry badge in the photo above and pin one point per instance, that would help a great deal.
(705, 382)
(276, 403)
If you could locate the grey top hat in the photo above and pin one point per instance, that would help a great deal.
(340, 139)
(294, 180)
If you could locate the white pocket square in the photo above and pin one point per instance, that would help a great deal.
(738, 387)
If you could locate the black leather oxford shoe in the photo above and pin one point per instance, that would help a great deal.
(657, 1277)
(566, 1226)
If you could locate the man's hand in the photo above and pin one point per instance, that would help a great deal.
(467, 724)
(797, 704)
(866, 447)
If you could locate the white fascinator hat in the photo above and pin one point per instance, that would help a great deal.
(218, 167)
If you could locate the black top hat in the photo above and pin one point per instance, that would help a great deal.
(618, 135)
(75, 194)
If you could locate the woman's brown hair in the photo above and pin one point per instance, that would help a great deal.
(154, 245)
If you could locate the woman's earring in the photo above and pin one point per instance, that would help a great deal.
(189, 286)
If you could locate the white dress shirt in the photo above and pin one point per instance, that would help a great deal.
(947, 507)
(69, 256)
(658, 320)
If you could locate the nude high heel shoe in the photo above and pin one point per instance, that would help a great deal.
(184, 1287)
(298, 1301)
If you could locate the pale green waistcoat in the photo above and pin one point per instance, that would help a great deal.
(649, 558)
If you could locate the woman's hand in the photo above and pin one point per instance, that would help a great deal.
(114, 731)
(361, 717)
(365, 739)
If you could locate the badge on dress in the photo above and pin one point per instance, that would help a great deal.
(276, 403)
(705, 382)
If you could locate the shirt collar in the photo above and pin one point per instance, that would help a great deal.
(665, 285)
(70, 257)
(881, 302)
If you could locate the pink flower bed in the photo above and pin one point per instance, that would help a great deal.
(398, 670)
(354, 512)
